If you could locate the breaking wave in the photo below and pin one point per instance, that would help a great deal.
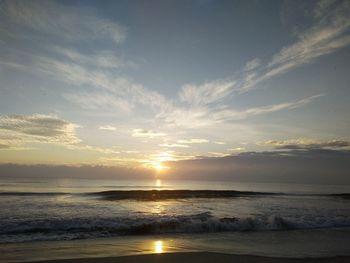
(175, 194)
(82, 228)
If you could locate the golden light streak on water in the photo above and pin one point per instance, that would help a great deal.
(158, 247)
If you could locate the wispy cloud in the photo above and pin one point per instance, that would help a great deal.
(240, 115)
(98, 68)
(323, 6)
(71, 23)
(328, 34)
(84, 147)
(200, 117)
(216, 154)
(111, 88)
(107, 128)
(16, 130)
(220, 143)
(192, 141)
(99, 101)
(173, 145)
(209, 92)
(208, 102)
(104, 59)
(147, 133)
(19, 131)
(304, 143)
(252, 64)
(237, 149)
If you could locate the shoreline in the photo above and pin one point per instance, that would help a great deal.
(186, 257)
(291, 244)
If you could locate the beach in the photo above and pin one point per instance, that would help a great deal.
(299, 244)
(204, 257)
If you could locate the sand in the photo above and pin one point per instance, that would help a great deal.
(203, 257)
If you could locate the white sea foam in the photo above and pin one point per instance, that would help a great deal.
(63, 229)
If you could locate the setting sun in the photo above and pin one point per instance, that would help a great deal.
(159, 167)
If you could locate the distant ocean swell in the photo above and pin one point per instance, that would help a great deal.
(82, 228)
(154, 195)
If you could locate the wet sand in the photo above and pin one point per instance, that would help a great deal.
(204, 257)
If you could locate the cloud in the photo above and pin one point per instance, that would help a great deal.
(328, 33)
(166, 156)
(78, 171)
(110, 90)
(98, 59)
(47, 56)
(99, 100)
(240, 115)
(220, 143)
(217, 154)
(323, 6)
(71, 23)
(207, 104)
(209, 92)
(195, 118)
(321, 166)
(107, 128)
(292, 166)
(98, 68)
(84, 147)
(192, 141)
(191, 118)
(173, 145)
(306, 144)
(253, 64)
(147, 133)
(16, 130)
(237, 149)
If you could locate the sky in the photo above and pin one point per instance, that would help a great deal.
(174, 86)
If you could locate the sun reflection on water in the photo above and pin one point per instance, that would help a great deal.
(158, 247)
(158, 183)
(158, 208)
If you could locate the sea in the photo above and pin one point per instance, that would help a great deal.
(43, 218)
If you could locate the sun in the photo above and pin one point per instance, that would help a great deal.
(158, 166)
(156, 161)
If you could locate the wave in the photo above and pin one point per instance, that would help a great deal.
(80, 228)
(33, 193)
(342, 195)
(154, 195)
(175, 194)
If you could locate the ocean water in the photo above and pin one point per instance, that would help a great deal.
(229, 216)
